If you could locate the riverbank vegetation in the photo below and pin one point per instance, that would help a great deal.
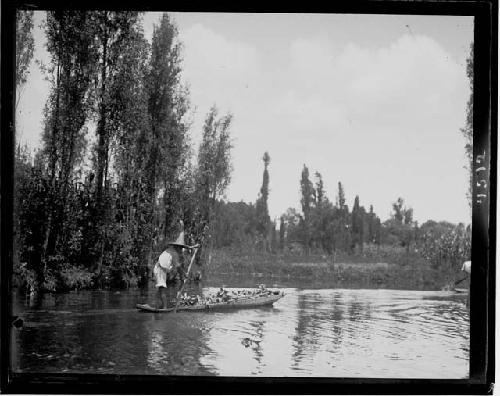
(433, 261)
(117, 171)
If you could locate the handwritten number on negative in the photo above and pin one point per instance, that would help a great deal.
(481, 183)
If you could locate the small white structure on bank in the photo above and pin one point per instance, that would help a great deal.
(466, 267)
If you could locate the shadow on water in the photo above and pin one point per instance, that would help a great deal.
(310, 332)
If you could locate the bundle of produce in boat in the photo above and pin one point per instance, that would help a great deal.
(225, 295)
(223, 299)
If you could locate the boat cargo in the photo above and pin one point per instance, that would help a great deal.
(222, 301)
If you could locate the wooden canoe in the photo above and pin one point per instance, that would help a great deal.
(237, 303)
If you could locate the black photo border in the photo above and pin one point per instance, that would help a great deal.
(482, 298)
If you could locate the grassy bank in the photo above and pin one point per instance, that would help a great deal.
(385, 267)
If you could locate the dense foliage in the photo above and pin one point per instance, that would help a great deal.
(25, 45)
(115, 174)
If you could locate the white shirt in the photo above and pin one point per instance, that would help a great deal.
(162, 266)
(165, 260)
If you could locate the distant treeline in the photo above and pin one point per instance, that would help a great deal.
(332, 229)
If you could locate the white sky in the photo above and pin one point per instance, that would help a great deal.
(373, 101)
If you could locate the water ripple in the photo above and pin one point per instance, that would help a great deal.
(328, 333)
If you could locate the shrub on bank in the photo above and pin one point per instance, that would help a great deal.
(24, 278)
(76, 278)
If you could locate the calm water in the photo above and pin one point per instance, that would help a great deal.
(326, 333)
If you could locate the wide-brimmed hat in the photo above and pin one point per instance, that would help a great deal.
(179, 241)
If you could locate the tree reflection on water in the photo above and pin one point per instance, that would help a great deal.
(328, 332)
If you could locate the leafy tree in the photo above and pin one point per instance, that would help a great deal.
(324, 219)
(234, 224)
(400, 226)
(326, 226)
(25, 45)
(273, 238)
(446, 246)
(467, 130)
(292, 222)
(363, 226)
(214, 167)
(377, 233)
(398, 208)
(408, 216)
(31, 187)
(282, 233)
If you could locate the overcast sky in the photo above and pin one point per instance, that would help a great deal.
(373, 101)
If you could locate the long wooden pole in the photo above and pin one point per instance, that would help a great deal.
(460, 281)
(186, 278)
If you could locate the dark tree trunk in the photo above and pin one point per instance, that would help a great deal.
(102, 149)
(101, 128)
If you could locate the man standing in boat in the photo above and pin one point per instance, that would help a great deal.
(169, 264)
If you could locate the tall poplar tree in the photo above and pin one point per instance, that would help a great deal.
(131, 145)
(377, 232)
(168, 104)
(320, 189)
(340, 196)
(306, 201)
(357, 224)
(342, 229)
(262, 211)
(114, 32)
(70, 36)
(371, 225)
